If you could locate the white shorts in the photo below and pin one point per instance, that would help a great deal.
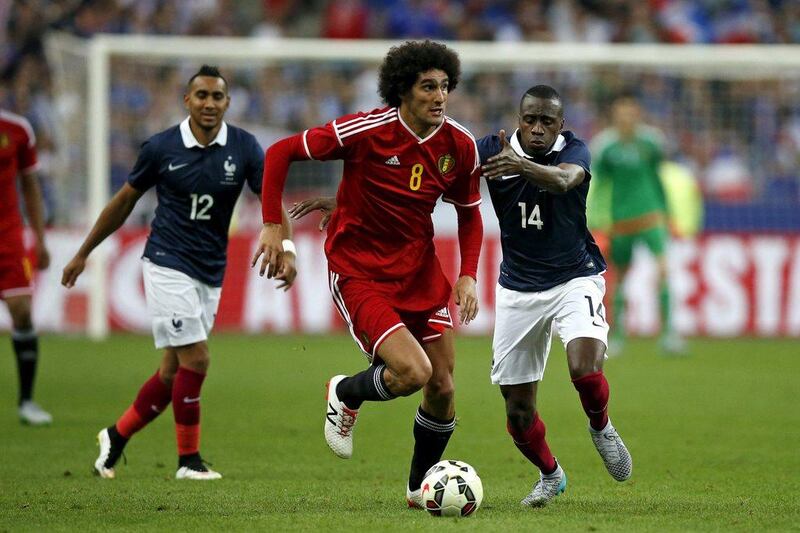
(182, 308)
(524, 322)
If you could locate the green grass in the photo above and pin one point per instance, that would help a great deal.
(715, 439)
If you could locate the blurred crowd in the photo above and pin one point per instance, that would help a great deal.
(641, 21)
(741, 137)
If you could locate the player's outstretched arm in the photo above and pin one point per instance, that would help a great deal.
(114, 214)
(556, 179)
(34, 207)
(323, 204)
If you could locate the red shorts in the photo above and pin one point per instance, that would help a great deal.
(16, 273)
(375, 309)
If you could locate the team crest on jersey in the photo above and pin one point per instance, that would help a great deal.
(3, 140)
(230, 168)
(446, 163)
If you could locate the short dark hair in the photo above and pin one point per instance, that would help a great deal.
(210, 71)
(403, 64)
(545, 92)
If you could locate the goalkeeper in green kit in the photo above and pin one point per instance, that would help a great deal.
(626, 162)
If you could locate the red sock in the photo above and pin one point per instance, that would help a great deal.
(593, 390)
(186, 407)
(153, 398)
(533, 446)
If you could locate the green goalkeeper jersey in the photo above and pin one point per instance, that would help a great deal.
(630, 168)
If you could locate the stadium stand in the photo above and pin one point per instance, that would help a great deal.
(725, 145)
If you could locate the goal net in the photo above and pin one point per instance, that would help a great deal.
(729, 116)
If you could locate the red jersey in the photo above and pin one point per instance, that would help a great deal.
(382, 227)
(17, 155)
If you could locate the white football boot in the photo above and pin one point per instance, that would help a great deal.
(197, 473)
(414, 498)
(548, 487)
(339, 422)
(32, 414)
(104, 465)
(613, 451)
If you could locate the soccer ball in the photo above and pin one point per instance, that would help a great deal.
(451, 488)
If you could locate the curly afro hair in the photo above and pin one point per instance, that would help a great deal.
(403, 64)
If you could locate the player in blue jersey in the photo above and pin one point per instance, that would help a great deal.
(550, 280)
(198, 168)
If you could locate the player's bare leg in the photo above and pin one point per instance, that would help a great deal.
(152, 399)
(26, 347)
(169, 366)
(435, 419)
(193, 361)
(585, 361)
(439, 392)
(528, 432)
(408, 367)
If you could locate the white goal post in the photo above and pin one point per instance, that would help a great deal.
(729, 62)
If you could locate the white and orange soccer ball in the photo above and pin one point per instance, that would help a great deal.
(451, 488)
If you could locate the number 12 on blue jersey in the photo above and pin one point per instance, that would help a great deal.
(204, 202)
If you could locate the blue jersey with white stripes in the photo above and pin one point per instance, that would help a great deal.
(544, 236)
(197, 188)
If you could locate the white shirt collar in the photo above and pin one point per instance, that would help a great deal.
(189, 140)
(559, 145)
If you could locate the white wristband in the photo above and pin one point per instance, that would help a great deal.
(288, 246)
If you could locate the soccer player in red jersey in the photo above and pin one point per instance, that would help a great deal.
(18, 160)
(384, 276)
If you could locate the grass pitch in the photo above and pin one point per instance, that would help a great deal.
(715, 440)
